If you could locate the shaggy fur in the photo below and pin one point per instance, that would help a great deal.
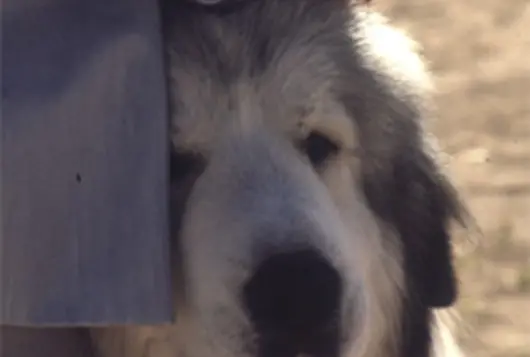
(297, 132)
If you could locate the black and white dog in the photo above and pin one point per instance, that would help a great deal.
(311, 217)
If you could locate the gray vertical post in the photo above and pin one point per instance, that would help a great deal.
(83, 164)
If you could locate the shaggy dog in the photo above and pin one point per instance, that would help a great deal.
(311, 216)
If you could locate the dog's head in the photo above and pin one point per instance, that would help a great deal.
(311, 216)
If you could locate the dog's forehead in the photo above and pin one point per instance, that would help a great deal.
(257, 66)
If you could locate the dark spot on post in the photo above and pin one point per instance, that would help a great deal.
(78, 177)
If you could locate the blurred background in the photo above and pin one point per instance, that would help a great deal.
(479, 51)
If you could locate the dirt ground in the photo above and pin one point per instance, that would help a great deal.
(479, 51)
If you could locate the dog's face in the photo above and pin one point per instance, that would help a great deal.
(310, 217)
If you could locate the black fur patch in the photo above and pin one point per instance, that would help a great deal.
(418, 203)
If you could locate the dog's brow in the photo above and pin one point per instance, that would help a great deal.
(331, 119)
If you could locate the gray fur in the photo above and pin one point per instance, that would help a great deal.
(245, 86)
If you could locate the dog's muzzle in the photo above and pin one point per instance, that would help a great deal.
(293, 300)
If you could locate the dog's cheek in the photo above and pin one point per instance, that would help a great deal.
(412, 196)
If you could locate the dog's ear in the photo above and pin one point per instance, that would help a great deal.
(417, 200)
(386, 90)
(424, 224)
(406, 188)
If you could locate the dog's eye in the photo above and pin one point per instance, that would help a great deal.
(318, 148)
(184, 165)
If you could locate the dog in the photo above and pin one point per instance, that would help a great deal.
(311, 214)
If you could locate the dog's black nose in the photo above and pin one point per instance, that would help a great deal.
(293, 300)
